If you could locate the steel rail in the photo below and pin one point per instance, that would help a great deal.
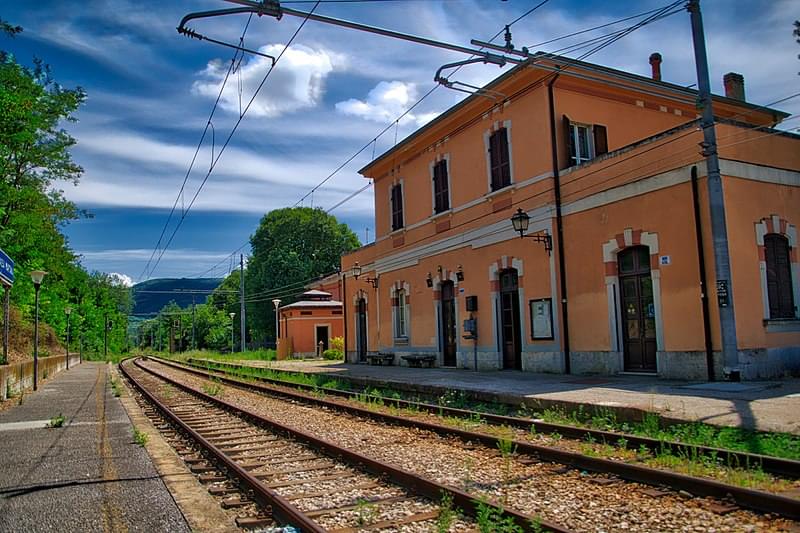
(774, 465)
(412, 482)
(282, 510)
(748, 498)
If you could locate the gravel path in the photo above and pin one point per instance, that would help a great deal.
(566, 496)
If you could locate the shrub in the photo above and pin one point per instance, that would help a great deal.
(333, 354)
(337, 343)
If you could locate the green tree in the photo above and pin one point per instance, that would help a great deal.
(290, 247)
(34, 157)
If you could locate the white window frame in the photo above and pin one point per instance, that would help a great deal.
(400, 318)
(577, 159)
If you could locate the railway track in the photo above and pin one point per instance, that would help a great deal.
(745, 498)
(294, 478)
(787, 468)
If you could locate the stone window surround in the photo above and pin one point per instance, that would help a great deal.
(393, 290)
(486, 135)
(776, 224)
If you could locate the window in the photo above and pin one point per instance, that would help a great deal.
(779, 276)
(441, 187)
(400, 330)
(397, 206)
(499, 159)
(584, 141)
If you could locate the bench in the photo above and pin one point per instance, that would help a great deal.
(420, 359)
(380, 358)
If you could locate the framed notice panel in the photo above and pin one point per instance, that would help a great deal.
(542, 319)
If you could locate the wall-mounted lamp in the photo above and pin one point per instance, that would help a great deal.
(521, 220)
(429, 280)
(460, 273)
(355, 271)
(439, 270)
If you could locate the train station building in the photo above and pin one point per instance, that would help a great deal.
(603, 174)
(308, 325)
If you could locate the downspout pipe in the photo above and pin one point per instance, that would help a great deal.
(562, 270)
(344, 311)
(701, 265)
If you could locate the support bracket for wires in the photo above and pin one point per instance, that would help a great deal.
(470, 89)
(270, 7)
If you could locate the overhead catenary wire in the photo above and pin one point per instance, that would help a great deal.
(230, 136)
(179, 196)
(373, 142)
(394, 123)
(656, 14)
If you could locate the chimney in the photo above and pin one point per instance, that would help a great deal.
(655, 63)
(734, 85)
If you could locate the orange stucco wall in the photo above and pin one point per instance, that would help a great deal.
(641, 186)
(302, 327)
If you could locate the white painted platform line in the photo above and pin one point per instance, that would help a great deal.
(28, 424)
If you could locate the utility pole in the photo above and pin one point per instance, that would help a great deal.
(105, 336)
(193, 330)
(716, 199)
(241, 300)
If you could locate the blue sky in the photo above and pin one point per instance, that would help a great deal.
(150, 92)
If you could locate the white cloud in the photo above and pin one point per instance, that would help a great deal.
(298, 81)
(385, 102)
(121, 279)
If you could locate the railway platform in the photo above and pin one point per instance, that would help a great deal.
(765, 406)
(88, 474)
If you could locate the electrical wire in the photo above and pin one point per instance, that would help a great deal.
(657, 14)
(230, 136)
(397, 120)
(197, 150)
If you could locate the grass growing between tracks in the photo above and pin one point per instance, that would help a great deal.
(711, 466)
(765, 443)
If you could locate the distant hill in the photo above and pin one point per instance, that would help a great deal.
(152, 302)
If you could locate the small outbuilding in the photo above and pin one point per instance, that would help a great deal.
(307, 326)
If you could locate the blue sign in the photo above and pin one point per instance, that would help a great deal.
(6, 269)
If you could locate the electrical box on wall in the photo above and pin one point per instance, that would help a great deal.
(472, 303)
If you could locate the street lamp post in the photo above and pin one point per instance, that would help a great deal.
(232, 315)
(68, 311)
(36, 276)
(277, 302)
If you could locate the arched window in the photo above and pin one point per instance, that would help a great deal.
(779, 276)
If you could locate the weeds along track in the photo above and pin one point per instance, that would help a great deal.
(271, 474)
(786, 468)
(583, 493)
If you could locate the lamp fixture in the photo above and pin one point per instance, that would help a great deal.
(429, 280)
(520, 220)
(68, 310)
(460, 273)
(355, 271)
(37, 276)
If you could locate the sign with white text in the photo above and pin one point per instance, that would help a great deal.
(6, 269)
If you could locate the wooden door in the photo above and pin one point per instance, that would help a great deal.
(509, 320)
(638, 310)
(361, 330)
(448, 325)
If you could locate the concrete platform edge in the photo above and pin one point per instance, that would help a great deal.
(200, 510)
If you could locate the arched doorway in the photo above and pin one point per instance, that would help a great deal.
(448, 326)
(361, 330)
(638, 309)
(510, 336)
